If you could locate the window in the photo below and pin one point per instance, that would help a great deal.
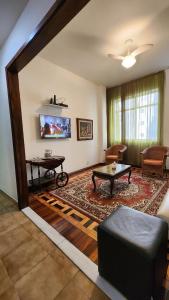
(134, 112)
(141, 117)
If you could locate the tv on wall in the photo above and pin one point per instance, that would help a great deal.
(55, 127)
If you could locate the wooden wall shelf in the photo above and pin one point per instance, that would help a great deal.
(56, 106)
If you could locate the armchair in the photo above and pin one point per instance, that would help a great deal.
(154, 160)
(115, 153)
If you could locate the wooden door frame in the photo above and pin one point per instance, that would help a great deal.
(56, 19)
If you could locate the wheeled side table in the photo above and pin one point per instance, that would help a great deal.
(50, 164)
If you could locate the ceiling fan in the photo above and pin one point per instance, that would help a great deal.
(130, 59)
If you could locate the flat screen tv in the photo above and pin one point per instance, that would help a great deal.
(55, 127)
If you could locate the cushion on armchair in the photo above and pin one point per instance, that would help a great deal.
(153, 162)
(115, 157)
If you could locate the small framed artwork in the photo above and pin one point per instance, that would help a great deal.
(84, 129)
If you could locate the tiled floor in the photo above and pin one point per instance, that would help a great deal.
(32, 267)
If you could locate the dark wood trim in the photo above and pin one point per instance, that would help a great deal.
(56, 19)
(18, 137)
(61, 13)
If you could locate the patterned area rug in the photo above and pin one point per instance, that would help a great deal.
(144, 194)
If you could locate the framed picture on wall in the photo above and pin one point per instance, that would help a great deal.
(84, 129)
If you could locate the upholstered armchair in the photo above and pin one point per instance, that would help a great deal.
(154, 160)
(115, 153)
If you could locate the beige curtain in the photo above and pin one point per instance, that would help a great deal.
(134, 114)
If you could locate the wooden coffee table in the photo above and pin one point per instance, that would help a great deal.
(108, 173)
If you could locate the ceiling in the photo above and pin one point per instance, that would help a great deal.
(102, 27)
(10, 10)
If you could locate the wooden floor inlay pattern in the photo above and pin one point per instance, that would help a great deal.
(68, 213)
(79, 229)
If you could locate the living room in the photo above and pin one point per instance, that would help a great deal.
(82, 89)
(81, 69)
(85, 95)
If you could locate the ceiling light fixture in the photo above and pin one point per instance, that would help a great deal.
(128, 61)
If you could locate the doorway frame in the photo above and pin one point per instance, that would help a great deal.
(59, 15)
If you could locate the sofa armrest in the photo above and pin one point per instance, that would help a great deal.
(144, 151)
(123, 150)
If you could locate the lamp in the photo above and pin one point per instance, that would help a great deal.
(128, 61)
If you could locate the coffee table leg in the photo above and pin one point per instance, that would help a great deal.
(129, 176)
(94, 183)
(111, 186)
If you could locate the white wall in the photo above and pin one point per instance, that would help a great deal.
(27, 22)
(38, 82)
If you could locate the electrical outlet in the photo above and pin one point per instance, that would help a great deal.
(87, 162)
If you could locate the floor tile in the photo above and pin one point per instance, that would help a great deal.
(88, 287)
(20, 217)
(70, 292)
(10, 294)
(7, 203)
(12, 239)
(2, 211)
(44, 282)
(5, 282)
(5, 200)
(97, 294)
(64, 262)
(46, 244)
(31, 228)
(32, 267)
(23, 259)
(7, 222)
(2, 200)
(8, 209)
